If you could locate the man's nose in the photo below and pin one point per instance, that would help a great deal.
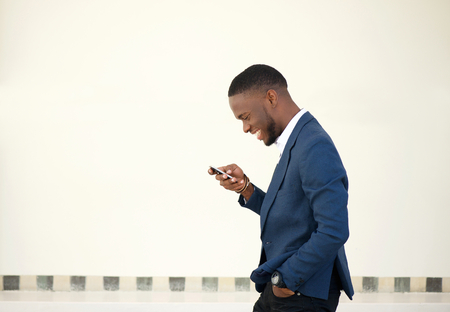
(246, 127)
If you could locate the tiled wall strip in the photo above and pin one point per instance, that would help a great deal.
(205, 284)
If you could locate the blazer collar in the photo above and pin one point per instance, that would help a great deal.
(280, 169)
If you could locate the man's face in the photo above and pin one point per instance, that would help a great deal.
(253, 110)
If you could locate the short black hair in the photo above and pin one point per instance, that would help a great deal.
(255, 77)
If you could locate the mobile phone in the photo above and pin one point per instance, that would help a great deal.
(218, 171)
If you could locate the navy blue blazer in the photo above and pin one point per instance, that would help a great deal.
(304, 217)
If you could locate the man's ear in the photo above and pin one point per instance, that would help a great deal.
(272, 96)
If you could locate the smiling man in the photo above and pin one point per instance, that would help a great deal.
(303, 214)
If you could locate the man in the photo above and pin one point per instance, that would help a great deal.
(304, 217)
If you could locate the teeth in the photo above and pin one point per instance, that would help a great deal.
(257, 133)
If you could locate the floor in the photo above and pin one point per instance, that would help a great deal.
(15, 301)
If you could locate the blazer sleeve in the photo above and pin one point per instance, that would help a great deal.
(324, 182)
(255, 201)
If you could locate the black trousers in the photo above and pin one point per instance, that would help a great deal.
(268, 302)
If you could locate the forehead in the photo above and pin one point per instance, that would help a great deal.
(245, 102)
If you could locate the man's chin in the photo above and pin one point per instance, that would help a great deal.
(269, 142)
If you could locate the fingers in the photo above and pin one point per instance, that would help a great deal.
(213, 171)
(228, 168)
(225, 180)
(282, 292)
(234, 170)
(233, 184)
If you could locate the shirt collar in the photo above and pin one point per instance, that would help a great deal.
(284, 137)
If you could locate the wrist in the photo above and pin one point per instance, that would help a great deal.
(248, 192)
(245, 186)
(277, 280)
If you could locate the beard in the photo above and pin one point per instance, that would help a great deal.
(271, 130)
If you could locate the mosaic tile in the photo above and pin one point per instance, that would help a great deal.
(128, 283)
(434, 284)
(370, 284)
(11, 282)
(357, 282)
(226, 284)
(177, 283)
(386, 284)
(210, 283)
(242, 283)
(61, 283)
(161, 283)
(446, 284)
(28, 282)
(94, 283)
(78, 283)
(144, 283)
(45, 283)
(111, 283)
(402, 284)
(193, 284)
(418, 284)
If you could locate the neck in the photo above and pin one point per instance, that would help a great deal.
(290, 112)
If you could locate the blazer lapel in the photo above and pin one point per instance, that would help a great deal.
(280, 170)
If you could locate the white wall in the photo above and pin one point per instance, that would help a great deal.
(112, 111)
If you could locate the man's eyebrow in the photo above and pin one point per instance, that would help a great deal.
(242, 115)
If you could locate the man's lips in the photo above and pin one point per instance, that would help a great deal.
(258, 134)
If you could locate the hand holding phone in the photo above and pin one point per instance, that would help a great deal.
(218, 171)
